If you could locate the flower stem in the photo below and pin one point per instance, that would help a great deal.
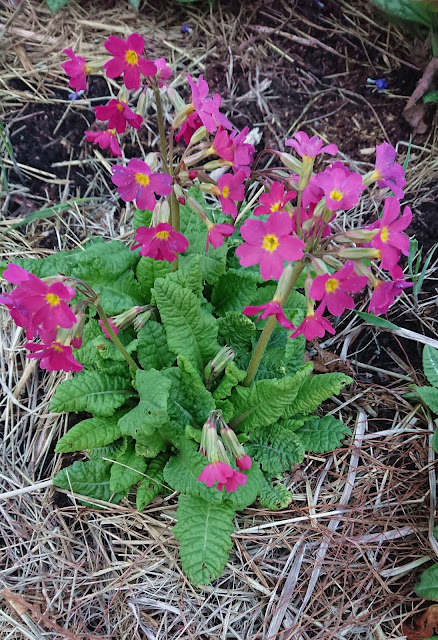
(269, 327)
(114, 337)
(161, 131)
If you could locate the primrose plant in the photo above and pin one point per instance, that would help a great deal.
(188, 348)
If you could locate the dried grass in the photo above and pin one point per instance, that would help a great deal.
(338, 563)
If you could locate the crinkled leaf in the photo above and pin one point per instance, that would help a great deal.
(430, 364)
(124, 472)
(148, 270)
(294, 354)
(189, 275)
(93, 391)
(182, 471)
(89, 434)
(274, 495)
(319, 435)
(150, 487)
(314, 391)
(266, 400)
(90, 479)
(204, 531)
(150, 445)
(427, 587)
(232, 376)
(103, 260)
(190, 331)
(189, 401)
(429, 396)
(153, 351)
(110, 450)
(237, 331)
(117, 294)
(246, 494)
(141, 218)
(234, 290)
(276, 448)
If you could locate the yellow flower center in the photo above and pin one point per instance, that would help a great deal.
(131, 57)
(276, 206)
(53, 299)
(331, 285)
(226, 192)
(56, 347)
(87, 69)
(142, 178)
(384, 234)
(163, 235)
(336, 195)
(270, 242)
(119, 107)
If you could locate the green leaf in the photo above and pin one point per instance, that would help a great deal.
(148, 270)
(90, 479)
(153, 351)
(319, 435)
(427, 587)
(431, 96)
(276, 448)
(110, 450)
(182, 471)
(246, 494)
(150, 487)
(150, 445)
(123, 477)
(294, 354)
(89, 434)
(189, 275)
(376, 321)
(419, 12)
(55, 5)
(430, 364)
(151, 412)
(204, 531)
(435, 440)
(314, 391)
(266, 400)
(429, 396)
(232, 376)
(117, 294)
(274, 495)
(103, 260)
(233, 291)
(237, 331)
(190, 331)
(135, 4)
(142, 218)
(98, 393)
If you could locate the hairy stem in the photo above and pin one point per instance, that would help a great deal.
(269, 327)
(114, 337)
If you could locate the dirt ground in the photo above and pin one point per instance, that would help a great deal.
(314, 570)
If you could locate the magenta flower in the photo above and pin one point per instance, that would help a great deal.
(269, 243)
(342, 188)
(76, 69)
(54, 357)
(385, 292)
(137, 182)
(233, 148)
(244, 462)
(310, 147)
(217, 233)
(161, 242)
(389, 173)
(188, 127)
(272, 308)
(314, 325)
(113, 326)
(232, 482)
(20, 316)
(390, 240)
(127, 60)
(333, 289)
(216, 472)
(275, 200)
(106, 139)
(164, 72)
(231, 187)
(118, 114)
(207, 108)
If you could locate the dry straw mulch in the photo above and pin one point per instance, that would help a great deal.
(341, 561)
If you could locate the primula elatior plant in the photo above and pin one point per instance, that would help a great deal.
(193, 369)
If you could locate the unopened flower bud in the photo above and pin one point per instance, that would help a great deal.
(198, 135)
(192, 175)
(143, 102)
(359, 252)
(219, 362)
(182, 115)
(161, 212)
(290, 162)
(216, 164)
(233, 446)
(175, 99)
(196, 207)
(179, 194)
(361, 236)
(141, 319)
(152, 160)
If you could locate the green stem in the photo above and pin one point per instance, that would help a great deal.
(114, 337)
(161, 131)
(175, 219)
(269, 328)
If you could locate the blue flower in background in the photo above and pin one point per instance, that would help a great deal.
(186, 29)
(381, 84)
(77, 95)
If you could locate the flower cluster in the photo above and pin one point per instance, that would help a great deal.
(218, 450)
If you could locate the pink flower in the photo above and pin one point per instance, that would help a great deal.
(244, 462)
(164, 72)
(342, 188)
(188, 127)
(275, 200)
(161, 242)
(310, 147)
(106, 140)
(207, 108)
(231, 188)
(233, 148)
(76, 69)
(385, 292)
(217, 233)
(54, 357)
(333, 289)
(388, 173)
(127, 60)
(269, 244)
(272, 308)
(232, 482)
(314, 325)
(216, 472)
(118, 115)
(20, 316)
(137, 182)
(113, 326)
(390, 240)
